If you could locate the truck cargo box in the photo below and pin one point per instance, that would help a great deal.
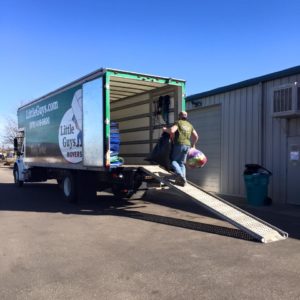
(69, 128)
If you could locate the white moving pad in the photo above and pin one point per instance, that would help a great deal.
(257, 228)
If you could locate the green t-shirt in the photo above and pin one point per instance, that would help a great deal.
(183, 134)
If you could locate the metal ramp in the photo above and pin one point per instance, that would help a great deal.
(257, 228)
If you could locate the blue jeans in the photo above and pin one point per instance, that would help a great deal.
(179, 155)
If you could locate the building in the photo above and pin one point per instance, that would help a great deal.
(253, 121)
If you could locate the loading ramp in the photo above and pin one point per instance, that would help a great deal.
(255, 227)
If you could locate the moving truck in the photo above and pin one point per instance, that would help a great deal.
(67, 134)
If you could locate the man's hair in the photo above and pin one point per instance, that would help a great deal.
(183, 115)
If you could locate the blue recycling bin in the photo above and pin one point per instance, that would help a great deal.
(256, 180)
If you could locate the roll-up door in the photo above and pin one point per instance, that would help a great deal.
(207, 122)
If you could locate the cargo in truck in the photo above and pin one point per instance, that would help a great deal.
(94, 133)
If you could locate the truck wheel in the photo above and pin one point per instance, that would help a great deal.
(68, 187)
(18, 182)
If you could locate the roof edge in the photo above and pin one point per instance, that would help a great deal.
(89, 76)
(246, 83)
(144, 74)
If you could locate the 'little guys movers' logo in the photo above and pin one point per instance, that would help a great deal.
(70, 131)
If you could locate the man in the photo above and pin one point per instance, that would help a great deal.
(182, 132)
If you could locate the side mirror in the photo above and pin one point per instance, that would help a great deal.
(15, 144)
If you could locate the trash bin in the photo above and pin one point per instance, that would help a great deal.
(256, 180)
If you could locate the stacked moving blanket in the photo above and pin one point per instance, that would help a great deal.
(115, 159)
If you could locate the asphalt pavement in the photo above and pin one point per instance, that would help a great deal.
(160, 246)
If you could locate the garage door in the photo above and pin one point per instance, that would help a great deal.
(207, 122)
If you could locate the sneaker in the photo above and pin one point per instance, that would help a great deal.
(180, 180)
(171, 178)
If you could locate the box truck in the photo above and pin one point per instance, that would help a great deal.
(95, 132)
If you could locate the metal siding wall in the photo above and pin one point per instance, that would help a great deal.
(272, 142)
(275, 141)
(237, 141)
(207, 122)
(240, 135)
(249, 137)
(243, 130)
(231, 142)
(224, 143)
(294, 127)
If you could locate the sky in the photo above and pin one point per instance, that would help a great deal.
(47, 44)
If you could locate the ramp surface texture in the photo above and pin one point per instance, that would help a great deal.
(258, 229)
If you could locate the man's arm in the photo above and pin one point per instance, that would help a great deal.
(171, 130)
(194, 137)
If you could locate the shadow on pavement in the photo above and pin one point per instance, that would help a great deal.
(44, 197)
(288, 222)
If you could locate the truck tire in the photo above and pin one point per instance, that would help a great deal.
(18, 182)
(69, 187)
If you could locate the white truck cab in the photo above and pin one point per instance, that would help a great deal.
(19, 166)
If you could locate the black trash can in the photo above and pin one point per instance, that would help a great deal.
(256, 180)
